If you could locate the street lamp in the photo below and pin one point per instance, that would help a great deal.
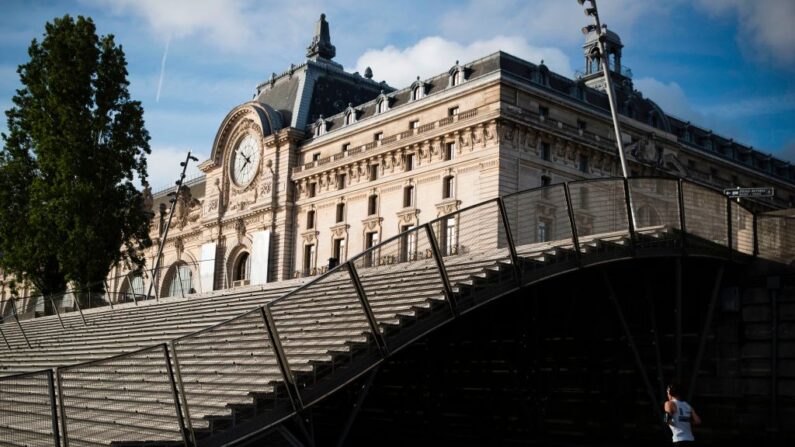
(611, 95)
(174, 194)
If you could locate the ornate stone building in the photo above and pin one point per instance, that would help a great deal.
(323, 163)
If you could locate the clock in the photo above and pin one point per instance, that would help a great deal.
(245, 160)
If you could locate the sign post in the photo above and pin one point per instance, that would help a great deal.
(749, 192)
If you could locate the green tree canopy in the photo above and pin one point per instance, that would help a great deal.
(69, 208)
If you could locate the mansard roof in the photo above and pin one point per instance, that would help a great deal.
(631, 103)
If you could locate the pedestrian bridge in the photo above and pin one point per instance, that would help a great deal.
(218, 369)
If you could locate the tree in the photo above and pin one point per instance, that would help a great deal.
(76, 142)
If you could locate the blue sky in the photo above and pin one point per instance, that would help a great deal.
(723, 64)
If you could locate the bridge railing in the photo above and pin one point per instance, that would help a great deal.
(30, 416)
(295, 350)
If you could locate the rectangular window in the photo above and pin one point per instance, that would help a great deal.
(310, 219)
(582, 125)
(342, 180)
(583, 163)
(316, 156)
(449, 236)
(373, 172)
(370, 241)
(546, 180)
(452, 111)
(449, 151)
(545, 152)
(345, 147)
(372, 205)
(408, 244)
(408, 196)
(414, 124)
(378, 136)
(410, 161)
(339, 250)
(340, 212)
(543, 230)
(448, 185)
(312, 189)
(309, 259)
(543, 112)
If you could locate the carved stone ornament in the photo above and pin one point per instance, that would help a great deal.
(340, 230)
(447, 207)
(179, 246)
(408, 216)
(240, 228)
(188, 208)
(372, 223)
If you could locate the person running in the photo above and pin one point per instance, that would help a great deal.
(680, 416)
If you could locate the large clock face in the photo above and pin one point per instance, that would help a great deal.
(245, 160)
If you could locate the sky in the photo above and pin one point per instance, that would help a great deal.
(727, 65)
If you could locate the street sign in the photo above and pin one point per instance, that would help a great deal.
(749, 192)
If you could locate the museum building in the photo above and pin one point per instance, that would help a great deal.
(322, 163)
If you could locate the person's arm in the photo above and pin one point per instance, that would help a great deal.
(670, 410)
(694, 415)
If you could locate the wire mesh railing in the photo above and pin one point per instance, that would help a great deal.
(126, 397)
(29, 416)
(291, 352)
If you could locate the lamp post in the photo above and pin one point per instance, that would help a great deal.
(163, 236)
(611, 95)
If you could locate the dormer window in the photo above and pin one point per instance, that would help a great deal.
(543, 74)
(350, 115)
(319, 128)
(457, 75)
(417, 90)
(381, 103)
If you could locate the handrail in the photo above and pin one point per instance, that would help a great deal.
(373, 324)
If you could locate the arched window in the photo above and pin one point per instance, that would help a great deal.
(242, 269)
(456, 78)
(349, 118)
(380, 107)
(416, 93)
(133, 288)
(180, 280)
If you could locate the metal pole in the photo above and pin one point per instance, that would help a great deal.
(609, 83)
(64, 432)
(53, 409)
(168, 223)
(281, 359)
(517, 268)
(702, 342)
(5, 339)
(175, 394)
(631, 341)
(16, 317)
(57, 312)
(368, 311)
(575, 238)
(77, 304)
(437, 255)
(178, 373)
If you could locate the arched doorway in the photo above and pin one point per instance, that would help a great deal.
(178, 280)
(241, 270)
(132, 288)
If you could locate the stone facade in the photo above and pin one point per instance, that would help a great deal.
(341, 162)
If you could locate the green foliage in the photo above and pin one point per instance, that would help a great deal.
(75, 143)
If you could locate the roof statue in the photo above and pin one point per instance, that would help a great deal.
(321, 47)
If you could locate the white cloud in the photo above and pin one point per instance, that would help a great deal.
(164, 166)
(669, 96)
(543, 20)
(237, 25)
(434, 55)
(766, 25)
